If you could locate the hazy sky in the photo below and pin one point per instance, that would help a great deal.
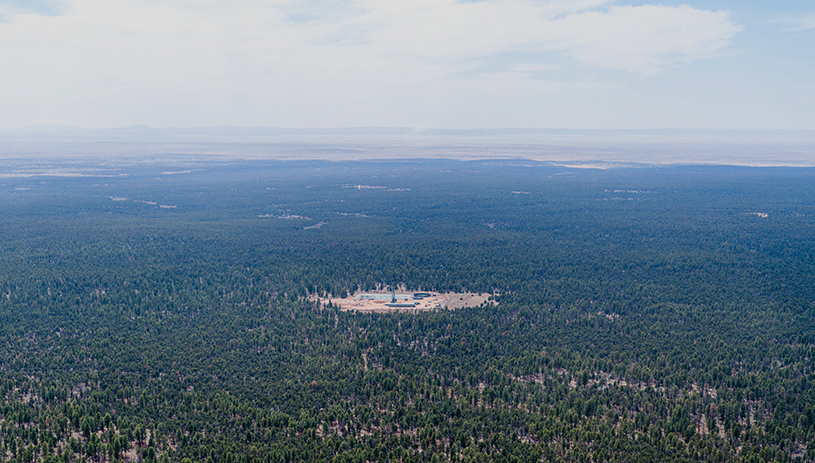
(418, 63)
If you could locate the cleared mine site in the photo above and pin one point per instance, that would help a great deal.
(383, 302)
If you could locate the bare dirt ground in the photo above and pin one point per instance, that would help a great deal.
(459, 300)
(435, 301)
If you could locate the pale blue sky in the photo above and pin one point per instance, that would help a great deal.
(445, 64)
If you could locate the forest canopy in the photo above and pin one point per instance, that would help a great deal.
(156, 312)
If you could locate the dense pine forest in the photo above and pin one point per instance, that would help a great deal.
(152, 312)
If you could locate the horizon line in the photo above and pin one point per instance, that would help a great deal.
(50, 127)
